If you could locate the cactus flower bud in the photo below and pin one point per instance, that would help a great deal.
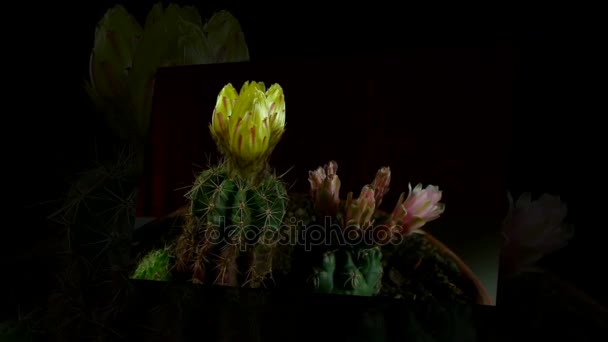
(172, 36)
(420, 207)
(381, 183)
(316, 179)
(116, 38)
(226, 38)
(241, 125)
(399, 213)
(249, 128)
(359, 212)
(325, 188)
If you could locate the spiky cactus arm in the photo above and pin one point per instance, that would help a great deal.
(232, 232)
(358, 275)
(99, 211)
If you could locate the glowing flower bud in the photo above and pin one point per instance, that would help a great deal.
(248, 128)
(325, 188)
(359, 212)
(316, 179)
(420, 207)
(331, 168)
(241, 122)
(381, 183)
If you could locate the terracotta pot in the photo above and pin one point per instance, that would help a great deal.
(482, 297)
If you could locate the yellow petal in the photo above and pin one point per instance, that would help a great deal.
(241, 108)
(276, 102)
(250, 136)
(223, 110)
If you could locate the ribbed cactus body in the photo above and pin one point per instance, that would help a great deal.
(231, 232)
(350, 273)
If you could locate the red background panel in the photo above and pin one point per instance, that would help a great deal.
(439, 116)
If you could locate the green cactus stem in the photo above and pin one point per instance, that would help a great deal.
(231, 232)
(343, 273)
(156, 265)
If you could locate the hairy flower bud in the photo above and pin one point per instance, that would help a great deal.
(381, 184)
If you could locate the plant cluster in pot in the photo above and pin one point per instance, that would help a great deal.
(242, 228)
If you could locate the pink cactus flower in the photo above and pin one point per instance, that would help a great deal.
(420, 206)
(533, 229)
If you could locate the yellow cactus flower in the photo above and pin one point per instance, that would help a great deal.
(246, 126)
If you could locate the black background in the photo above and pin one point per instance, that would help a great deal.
(557, 130)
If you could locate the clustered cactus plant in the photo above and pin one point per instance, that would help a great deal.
(354, 264)
(98, 212)
(237, 210)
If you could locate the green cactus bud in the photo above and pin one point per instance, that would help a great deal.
(234, 220)
(343, 273)
(156, 265)
(226, 38)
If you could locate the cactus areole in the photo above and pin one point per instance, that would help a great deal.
(237, 206)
